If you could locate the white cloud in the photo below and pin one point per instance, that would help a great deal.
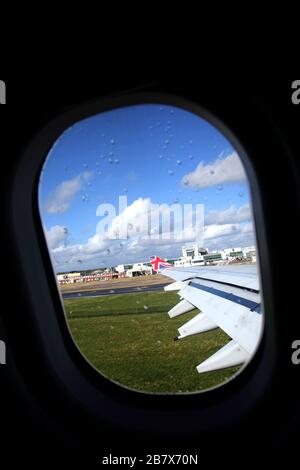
(229, 235)
(133, 220)
(60, 200)
(222, 229)
(142, 218)
(229, 216)
(216, 231)
(248, 228)
(56, 235)
(221, 171)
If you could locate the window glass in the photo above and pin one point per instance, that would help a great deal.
(147, 214)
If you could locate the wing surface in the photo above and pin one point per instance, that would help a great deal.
(228, 297)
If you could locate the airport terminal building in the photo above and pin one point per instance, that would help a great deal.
(191, 255)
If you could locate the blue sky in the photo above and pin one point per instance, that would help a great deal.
(144, 152)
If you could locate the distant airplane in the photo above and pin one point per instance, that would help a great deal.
(228, 297)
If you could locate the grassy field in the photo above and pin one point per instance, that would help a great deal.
(129, 339)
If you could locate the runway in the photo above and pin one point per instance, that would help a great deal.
(120, 290)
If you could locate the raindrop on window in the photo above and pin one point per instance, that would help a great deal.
(119, 256)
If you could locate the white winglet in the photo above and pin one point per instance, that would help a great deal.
(231, 300)
(183, 306)
(232, 354)
(199, 324)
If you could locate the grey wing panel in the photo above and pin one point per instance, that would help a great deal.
(227, 298)
(245, 276)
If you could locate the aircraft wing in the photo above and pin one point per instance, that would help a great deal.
(228, 297)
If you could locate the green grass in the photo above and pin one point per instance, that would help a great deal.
(129, 339)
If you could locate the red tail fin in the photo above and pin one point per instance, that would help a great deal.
(158, 264)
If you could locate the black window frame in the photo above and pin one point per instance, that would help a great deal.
(80, 384)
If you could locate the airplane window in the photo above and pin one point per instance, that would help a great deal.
(147, 215)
